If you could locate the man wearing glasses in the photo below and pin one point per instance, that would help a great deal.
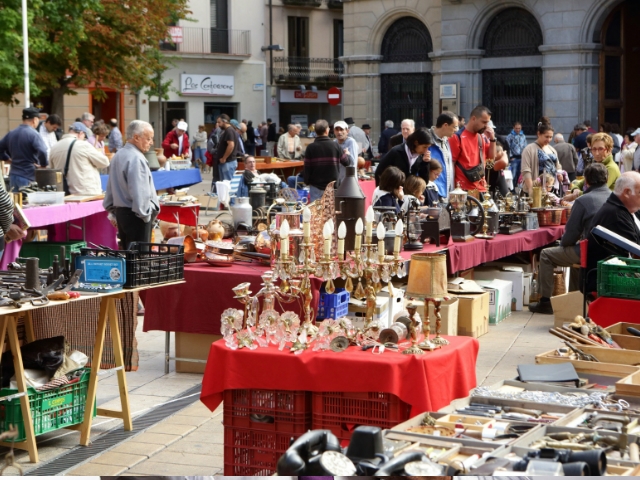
(445, 127)
(88, 120)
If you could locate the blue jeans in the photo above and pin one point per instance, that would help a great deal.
(227, 169)
(17, 181)
(514, 166)
(291, 181)
(314, 193)
(198, 154)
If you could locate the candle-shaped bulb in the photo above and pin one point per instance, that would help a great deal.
(326, 231)
(331, 225)
(284, 229)
(380, 231)
(369, 216)
(359, 227)
(399, 228)
(342, 230)
(306, 215)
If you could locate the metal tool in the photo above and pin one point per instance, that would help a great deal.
(582, 355)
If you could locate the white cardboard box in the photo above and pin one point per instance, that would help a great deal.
(358, 309)
(499, 299)
(513, 274)
(528, 277)
(396, 304)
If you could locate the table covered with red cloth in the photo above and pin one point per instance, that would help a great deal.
(462, 256)
(90, 215)
(182, 214)
(426, 382)
(196, 305)
(368, 187)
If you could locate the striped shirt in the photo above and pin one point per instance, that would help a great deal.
(6, 211)
(322, 160)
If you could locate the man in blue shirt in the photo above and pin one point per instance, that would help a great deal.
(517, 141)
(445, 127)
(26, 149)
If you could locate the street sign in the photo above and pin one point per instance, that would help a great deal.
(334, 96)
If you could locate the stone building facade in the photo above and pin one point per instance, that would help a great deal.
(567, 59)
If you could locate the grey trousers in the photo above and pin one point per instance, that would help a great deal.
(558, 257)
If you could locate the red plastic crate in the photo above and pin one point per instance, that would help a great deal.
(249, 452)
(342, 412)
(268, 410)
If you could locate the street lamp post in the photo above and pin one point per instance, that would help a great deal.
(25, 48)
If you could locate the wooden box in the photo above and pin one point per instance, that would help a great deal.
(629, 385)
(613, 363)
(467, 421)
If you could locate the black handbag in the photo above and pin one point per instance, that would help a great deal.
(476, 173)
(65, 185)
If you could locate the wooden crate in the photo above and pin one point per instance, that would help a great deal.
(603, 368)
(629, 385)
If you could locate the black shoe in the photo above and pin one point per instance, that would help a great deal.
(543, 307)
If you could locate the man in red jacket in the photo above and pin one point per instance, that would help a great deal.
(177, 142)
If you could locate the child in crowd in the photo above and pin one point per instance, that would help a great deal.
(413, 188)
(390, 191)
(550, 187)
(431, 192)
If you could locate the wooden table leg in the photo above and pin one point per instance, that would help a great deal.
(28, 327)
(98, 345)
(9, 325)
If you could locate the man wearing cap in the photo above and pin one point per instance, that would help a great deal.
(348, 146)
(289, 146)
(177, 142)
(359, 136)
(26, 149)
(131, 195)
(79, 161)
(227, 148)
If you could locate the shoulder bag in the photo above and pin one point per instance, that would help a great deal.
(66, 170)
(474, 174)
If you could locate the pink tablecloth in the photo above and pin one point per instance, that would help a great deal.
(367, 186)
(97, 228)
(461, 256)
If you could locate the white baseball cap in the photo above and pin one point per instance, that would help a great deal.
(637, 132)
(183, 126)
(341, 124)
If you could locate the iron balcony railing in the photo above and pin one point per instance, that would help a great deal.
(210, 41)
(303, 3)
(301, 69)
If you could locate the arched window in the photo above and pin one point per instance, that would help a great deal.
(407, 95)
(513, 94)
(514, 32)
(407, 40)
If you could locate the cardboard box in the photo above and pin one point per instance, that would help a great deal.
(526, 266)
(195, 346)
(358, 310)
(526, 283)
(499, 299)
(473, 314)
(566, 307)
(448, 316)
(513, 274)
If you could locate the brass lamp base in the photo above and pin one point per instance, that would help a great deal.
(438, 340)
(413, 350)
(428, 346)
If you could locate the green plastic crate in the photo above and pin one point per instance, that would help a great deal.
(46, 250)
(619, 281)
(50, 409)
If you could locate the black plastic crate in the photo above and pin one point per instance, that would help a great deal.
(147, 263)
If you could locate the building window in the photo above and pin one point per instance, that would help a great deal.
(513, 94)
(219, 21)
(407, 40)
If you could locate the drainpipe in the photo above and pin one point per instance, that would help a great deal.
(271, 41)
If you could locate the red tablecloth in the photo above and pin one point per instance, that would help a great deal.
(98, 229)
(196, 306)
(367, 186)
(461, 256)
(426, 382)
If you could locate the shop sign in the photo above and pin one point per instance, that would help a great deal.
(301, 94)
(175, 34)
(218, 85)
(298, 96)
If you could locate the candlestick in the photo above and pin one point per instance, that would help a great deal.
(369, 218)
(284, 239)
(398, 240)
(358, 244)
(342, 233)
(306, 224)
(381, 232)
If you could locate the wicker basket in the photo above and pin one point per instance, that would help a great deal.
(550, 216)
(566, 213)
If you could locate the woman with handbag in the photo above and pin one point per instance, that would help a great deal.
(540, 157)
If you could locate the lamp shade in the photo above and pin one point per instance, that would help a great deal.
(427, 275)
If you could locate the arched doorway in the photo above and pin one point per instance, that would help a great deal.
(407, 95)
(620, 67)
(513, 94)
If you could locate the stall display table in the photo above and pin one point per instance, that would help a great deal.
(426, 382)
(70, 221)
(108, 315)
(462, 256)
(283, 169)
(181, 214)
(163, 180)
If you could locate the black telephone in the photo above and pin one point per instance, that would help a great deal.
(305, 454)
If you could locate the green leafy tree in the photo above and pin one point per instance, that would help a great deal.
(102, 43)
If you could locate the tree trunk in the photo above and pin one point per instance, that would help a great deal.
(57, 102)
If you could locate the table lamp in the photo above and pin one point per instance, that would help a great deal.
(428, 280)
